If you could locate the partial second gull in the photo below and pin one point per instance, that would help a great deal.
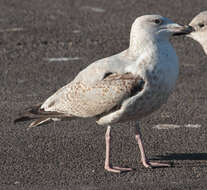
(199, 23)
(126, 86)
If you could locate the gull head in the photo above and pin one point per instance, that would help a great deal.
(156, 27)
(199, 23)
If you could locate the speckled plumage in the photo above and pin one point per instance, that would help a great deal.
(82, 100)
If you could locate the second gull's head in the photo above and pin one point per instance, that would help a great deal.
(199, 23)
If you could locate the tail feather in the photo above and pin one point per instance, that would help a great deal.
(39, 115)
(38, 122)
(22, 119)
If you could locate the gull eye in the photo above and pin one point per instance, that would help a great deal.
(201, 25)
(158, 21)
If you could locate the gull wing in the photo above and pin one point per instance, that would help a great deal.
(81, 100)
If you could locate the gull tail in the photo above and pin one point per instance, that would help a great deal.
(38, 122)
(37, 114)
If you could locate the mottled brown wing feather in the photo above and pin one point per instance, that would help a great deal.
(102, 97)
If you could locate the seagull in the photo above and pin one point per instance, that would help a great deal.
(199, 23)
(124, 87)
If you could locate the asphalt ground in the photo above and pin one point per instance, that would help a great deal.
(70, 155)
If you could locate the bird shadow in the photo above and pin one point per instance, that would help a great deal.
(182, 156)
(197, 157)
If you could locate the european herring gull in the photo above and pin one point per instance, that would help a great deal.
(127, 86)
(199, 23)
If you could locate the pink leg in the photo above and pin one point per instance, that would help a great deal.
(145, 162)
(108, 166)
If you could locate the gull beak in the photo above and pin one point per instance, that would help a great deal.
(180, 29)
(190, 35)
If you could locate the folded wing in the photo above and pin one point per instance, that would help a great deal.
(82, 100)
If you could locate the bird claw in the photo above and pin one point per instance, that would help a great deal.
(149, 164)
(116, 169)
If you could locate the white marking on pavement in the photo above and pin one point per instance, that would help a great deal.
(172, 126)
(192, 126)
(166, 126)
(76, 31)
(11, 30)
(95, 9)
(62, 59)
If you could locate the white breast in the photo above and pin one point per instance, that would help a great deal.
(159, 69)
(168, 65)
(158, 65)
